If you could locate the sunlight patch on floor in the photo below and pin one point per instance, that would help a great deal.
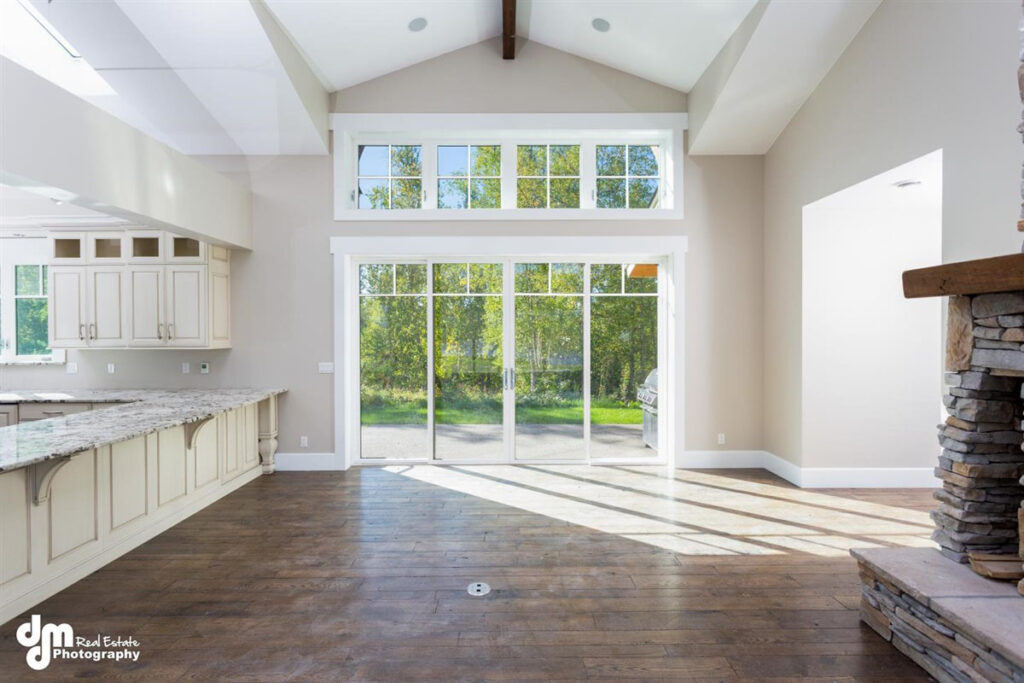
(691, 514)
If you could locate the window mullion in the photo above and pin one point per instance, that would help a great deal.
(588, 175)
(508, 175)
(428, 175)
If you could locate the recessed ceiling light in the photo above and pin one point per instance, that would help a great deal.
(417, 24)
(910, 182)
(601, 25)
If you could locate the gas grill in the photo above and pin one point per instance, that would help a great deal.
(647, 394)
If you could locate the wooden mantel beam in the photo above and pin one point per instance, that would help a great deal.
(508, 29)
(983, 276)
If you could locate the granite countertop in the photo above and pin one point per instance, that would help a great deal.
(132, 413)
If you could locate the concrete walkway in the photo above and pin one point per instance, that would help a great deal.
(476, 442)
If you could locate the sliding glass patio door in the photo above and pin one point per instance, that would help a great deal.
(507, 361)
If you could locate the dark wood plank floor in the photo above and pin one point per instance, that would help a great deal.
(612, 573)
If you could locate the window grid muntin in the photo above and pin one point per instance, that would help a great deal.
(40, 293)
(657, 151)
(548, 176)
(470, 176)
(390, 177)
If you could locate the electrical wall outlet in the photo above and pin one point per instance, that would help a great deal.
(71, 368)
(110, 368)
(303, 442)
(204, 368)
(721, 439)
(325, 368)
(185, 368)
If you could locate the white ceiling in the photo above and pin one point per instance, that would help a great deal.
(201, 77)
(666, 41)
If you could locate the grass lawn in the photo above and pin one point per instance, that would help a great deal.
(602, 412)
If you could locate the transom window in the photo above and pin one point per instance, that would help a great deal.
(508, 166)
(628, 176)
(469, 177)
(390, 176)
(548, 176)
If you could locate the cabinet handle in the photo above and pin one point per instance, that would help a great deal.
(81, 331)
(92, 330)
(53, 412)
(160, 331)
(170, 331)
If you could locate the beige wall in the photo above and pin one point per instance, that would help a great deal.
(476, 79)
(919, 77)
(283, 312)
(282, 290)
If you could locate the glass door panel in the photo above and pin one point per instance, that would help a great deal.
(623, 352)
(393, 361)
(468, 362)
(548, 366)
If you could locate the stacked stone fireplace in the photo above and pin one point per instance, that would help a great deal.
(982, 463)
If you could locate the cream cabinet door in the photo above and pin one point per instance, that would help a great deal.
(106, 310)
(186, 305)
(145, 295)
(67, 314)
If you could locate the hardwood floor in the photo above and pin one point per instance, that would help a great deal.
(611, 573)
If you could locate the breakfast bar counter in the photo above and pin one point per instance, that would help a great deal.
(80, 489)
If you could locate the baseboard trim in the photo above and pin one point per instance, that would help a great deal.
(813, 477)
(304, 462)
(804, 477)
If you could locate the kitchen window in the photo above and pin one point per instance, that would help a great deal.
(24, 322)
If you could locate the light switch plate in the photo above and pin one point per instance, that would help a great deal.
(110, 368)
(204, 368)
(325, 368)
(71, 369)
(185, 368)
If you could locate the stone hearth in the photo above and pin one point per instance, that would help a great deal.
(954, 624)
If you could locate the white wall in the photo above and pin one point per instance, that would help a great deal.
(872, 360)
(919, 77)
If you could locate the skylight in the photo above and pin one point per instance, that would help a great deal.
(27, 38)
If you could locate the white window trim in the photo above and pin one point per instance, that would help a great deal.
(662, 129)
(9, 258)
(668, 250)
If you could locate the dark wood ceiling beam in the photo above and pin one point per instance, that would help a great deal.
(508, 29)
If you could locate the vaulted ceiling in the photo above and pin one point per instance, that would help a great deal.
(251, 77)
(669, 42)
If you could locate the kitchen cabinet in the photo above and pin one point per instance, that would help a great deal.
(145, 290)
(8, 414)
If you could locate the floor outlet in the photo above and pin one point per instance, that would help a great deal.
(477, 589)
